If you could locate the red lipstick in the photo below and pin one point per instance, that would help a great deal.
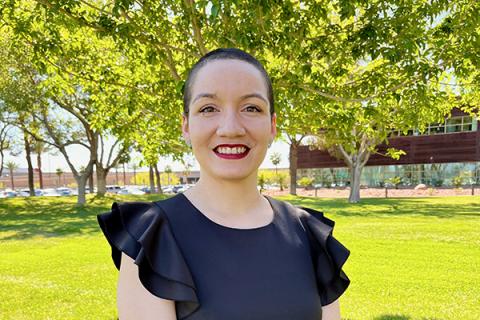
(231, 156)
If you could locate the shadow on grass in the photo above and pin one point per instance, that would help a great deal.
(398, 317)
(431, 207)
(23, 218)
(392, 317)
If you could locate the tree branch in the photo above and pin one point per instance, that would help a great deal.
(196, 28)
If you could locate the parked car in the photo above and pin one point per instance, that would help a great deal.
(51, 193)
(113, 188)
(145, 189)
(8, 194)
(167, 189)
(182, 187)
(23, 193)
(64, 191)
(134, 191)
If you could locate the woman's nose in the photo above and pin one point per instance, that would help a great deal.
(230, 125)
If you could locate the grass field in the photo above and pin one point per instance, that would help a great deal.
(410, 258)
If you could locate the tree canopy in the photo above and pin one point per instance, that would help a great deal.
(350, 70)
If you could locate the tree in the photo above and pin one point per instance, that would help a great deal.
(276, 158)
(124, 159)
(168, 171)
(11, 166)
(134, 167)
(326, 59)
(40, 148)
(158, 179)
(59, 173)
(27, 139)
(5, 139)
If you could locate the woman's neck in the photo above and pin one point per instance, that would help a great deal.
(228, 198)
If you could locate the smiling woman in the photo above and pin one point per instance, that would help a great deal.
(222, 250)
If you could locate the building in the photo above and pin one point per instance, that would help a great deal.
(445, 153)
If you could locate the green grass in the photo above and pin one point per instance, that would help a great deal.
(410, 258)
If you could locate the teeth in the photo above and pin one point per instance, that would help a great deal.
(228, 150)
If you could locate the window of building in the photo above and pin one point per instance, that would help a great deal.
(450, 125)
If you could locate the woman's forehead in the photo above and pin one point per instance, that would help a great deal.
(219, 77)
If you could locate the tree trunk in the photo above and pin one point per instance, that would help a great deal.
(293, 156)
(116, 176)
(81, 183)
(11, 180)
(124, 176)
(2, 157)
(90, 182)
(152, 179)
(355, 175)
(39, 165)
(159, 183)
(101, 180)
(28, 153)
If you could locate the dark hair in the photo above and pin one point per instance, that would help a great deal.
(225, 54)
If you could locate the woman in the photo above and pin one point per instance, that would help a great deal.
(222, 250)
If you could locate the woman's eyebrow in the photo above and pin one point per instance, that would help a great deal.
(253, 95)
(205, 95)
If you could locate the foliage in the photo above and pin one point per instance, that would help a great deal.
(306, 182)
(142, 178)
(458, 181)
(276, 158)
(261, 181)
(281, 178)
(356, 70)
(394, 181)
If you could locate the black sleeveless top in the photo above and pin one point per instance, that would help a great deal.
(285, 270)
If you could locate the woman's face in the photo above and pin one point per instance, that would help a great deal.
(229, 123)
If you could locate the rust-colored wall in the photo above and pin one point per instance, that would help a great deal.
(440, 148)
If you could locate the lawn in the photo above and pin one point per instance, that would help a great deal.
(410, 258)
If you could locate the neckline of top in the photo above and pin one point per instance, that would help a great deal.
(204, 217)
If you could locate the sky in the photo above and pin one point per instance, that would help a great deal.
(79, 157)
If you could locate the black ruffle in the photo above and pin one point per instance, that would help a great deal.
(141, 230)
(328, 255)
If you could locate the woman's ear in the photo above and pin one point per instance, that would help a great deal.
(185, 131)
(274, 126)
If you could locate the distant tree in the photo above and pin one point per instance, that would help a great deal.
(276, 158)
(5, 138)
(157, 177)
(124, 160)
(59, 173)
(134, 167)
(168, 171)
(11, 166)
(39, 148)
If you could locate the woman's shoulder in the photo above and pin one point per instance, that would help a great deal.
(141, 230)
(328, 254)
(301, 212)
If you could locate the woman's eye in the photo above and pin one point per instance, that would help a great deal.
(253, 109)
(207, 109)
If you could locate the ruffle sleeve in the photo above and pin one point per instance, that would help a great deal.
(328, 255)
(141, 230)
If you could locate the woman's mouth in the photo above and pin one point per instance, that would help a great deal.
(232, 152)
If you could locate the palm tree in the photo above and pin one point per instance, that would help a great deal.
(134, 167)
(168, 170)
(276, 158)
(59, 173)
(40, 147)
(11, 166)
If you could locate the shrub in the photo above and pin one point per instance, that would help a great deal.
(305, 182)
